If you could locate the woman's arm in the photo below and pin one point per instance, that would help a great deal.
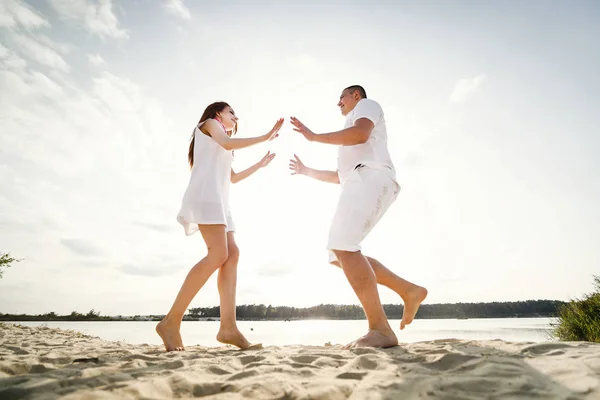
(214, 129)
(239, 176)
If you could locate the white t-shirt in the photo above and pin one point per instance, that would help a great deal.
(374, 152)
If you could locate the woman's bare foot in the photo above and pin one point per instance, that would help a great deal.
(412, 301)
(234, 337)
(169, 333)
(375, 338)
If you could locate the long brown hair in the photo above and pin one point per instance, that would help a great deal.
(211, 112)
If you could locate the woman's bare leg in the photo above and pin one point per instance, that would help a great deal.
(227, 281)
(216, 243)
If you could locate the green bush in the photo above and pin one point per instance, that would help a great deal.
(579, 320)
(5, 261)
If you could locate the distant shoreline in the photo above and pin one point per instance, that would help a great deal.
(191, 319)
(343, 312)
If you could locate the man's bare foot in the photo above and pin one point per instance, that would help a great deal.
(375, 338)
(169, 333)
(234, 337)
(412, 301)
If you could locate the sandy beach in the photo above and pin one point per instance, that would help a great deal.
(44, 363)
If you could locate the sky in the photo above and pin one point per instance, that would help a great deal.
(491, 125)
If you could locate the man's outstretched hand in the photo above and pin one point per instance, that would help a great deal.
(297, 167)
(300, 127)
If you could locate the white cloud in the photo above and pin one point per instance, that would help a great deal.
(96, 59)
(466, 88)
(40, 52)
(46, 86)
(10, 60)
(62, 48)
(82, 247)
(177, 8)
(95, 16)
(13, 86)
(15, 12)
(118, 94)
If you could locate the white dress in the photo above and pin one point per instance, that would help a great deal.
(206, 199)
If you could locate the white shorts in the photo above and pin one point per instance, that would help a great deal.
(365, 197)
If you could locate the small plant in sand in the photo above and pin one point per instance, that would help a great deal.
(579, 320)
(5, 261)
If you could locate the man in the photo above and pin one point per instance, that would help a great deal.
(367, 175)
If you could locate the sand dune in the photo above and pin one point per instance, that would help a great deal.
(44, 363)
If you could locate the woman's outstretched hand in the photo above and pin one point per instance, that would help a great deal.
(266, 159)
(273, 133)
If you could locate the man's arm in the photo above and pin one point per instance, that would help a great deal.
(298, 168)
(357, 134)
(323, 176)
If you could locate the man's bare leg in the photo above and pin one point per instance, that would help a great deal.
(360, 274)
(216, 242)
(226, 282)
(412, 295)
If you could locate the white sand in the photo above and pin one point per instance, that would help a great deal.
(44, 363)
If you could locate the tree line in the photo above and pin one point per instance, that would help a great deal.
(518, 309)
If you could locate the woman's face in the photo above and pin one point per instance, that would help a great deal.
(228, 118)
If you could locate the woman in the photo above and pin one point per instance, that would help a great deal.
(205, 208)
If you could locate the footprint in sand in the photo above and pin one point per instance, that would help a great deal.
(251, 359)
(304, 359)
(352, 375)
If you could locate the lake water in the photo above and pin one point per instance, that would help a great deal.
(319, 332)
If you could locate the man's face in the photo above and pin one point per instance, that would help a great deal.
(348, 101)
